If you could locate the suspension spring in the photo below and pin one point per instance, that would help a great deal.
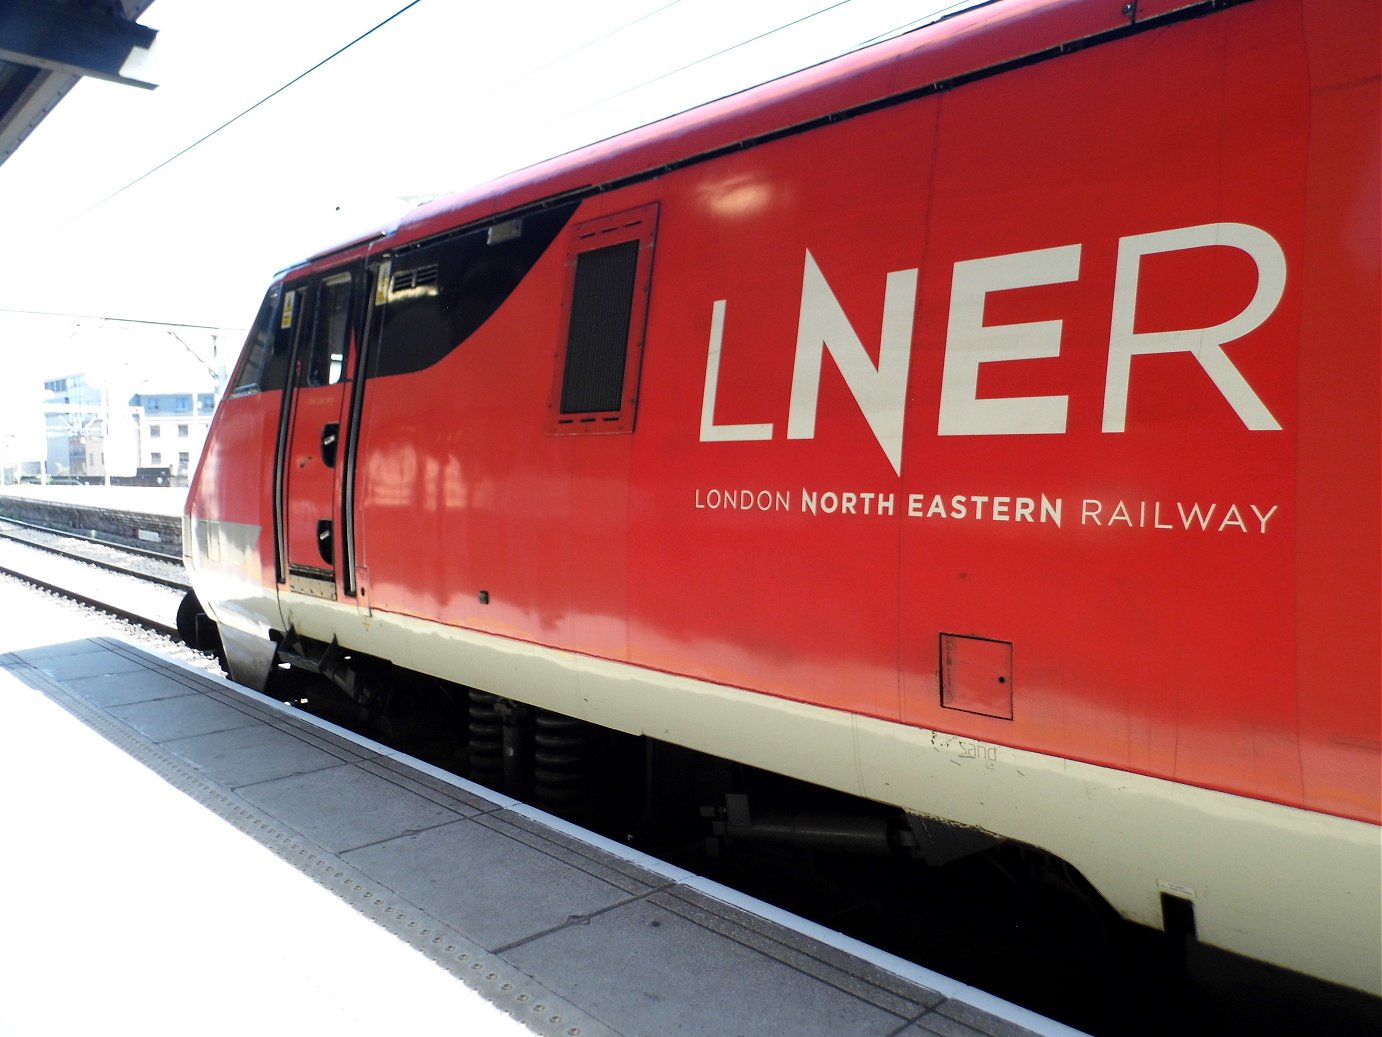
(486, 739)
(569, 772)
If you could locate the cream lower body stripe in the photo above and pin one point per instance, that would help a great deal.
(1296, 888)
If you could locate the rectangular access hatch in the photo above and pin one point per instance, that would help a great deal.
(977, 675)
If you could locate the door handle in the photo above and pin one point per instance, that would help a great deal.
(330, 435)
(325, 547)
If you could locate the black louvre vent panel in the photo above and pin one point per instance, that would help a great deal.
(598, 340)
(419, 278)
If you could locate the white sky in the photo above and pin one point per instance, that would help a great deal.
(447, 95)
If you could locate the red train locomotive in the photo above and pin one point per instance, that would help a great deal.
(987, 424)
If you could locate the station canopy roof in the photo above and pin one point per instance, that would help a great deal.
(46, 46)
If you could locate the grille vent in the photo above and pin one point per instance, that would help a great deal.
(423, 277)
(609, 271)
(597, 343)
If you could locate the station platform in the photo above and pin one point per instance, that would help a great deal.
(149, 500)
(143, 517)
(186, 855)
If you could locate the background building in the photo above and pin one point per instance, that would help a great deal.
(120, 402)
(172, 420)
(84, 439)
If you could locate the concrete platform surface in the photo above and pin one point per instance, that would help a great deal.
(132, 909)
(184, 856)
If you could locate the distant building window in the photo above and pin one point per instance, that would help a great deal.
(152, 403)
(184, 459)
(155, 431)
(182, 432)
(155, 458)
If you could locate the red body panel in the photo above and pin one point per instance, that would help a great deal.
(1189, 584)
(234, 479)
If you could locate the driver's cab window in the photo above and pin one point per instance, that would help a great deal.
(265, 339)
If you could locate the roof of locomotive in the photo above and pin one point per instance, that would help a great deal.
(966, 44)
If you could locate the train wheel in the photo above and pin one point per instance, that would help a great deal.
(198, 630)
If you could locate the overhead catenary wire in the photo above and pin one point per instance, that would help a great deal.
(530, 72)
(587, 45)
(917, 23)
(708, 57)
(257, 104)
(120, 320)
(331, 57)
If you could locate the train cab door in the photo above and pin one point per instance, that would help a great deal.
(309, 454)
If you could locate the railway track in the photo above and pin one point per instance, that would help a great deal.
(152, 566)
(140, 587)
(9, 526)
